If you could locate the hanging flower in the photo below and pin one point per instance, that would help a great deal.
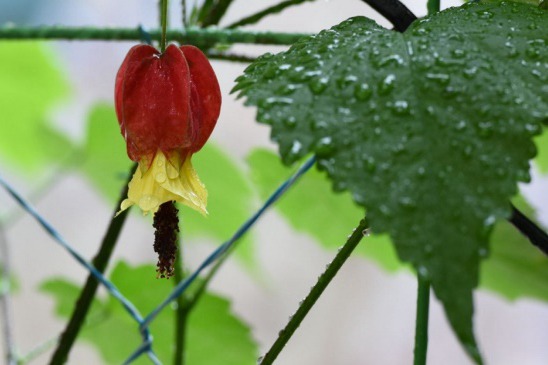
(167, 105)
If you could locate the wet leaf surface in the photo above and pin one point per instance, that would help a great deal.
(430, 130)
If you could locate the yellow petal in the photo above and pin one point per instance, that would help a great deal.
(166, 180)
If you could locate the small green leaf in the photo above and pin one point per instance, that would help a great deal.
(430, 130)
(32, 84)
(311, 207)
(105, 159)
(215, 335)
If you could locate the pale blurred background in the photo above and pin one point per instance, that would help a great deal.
(366, 316)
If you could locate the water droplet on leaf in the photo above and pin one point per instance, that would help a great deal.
(422, 271)
(290, 122)
(401, 107)
(362, 91)
(324, 146)
(387, 85)
(318, 84)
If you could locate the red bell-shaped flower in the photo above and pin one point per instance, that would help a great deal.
(167, 106)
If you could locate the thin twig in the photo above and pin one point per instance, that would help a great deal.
(274, 9)
(315, 293)
(421, 323)
(394, 11)
(87, 294)
(5, 302)
(529, 229)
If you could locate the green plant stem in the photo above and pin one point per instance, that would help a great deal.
(254, 18)
(186, 36)
(315, 293)
(87, 294)
(421, 325)
(433, 6)
(394, 11)
(230, 57)
(163, 22)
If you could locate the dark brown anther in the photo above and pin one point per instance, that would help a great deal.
(166, 223)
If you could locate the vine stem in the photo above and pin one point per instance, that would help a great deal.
(187, 36)
(421, 324)
(394, 11)
(529, 229)
(163, 22)
(316, 291)
(87, 294)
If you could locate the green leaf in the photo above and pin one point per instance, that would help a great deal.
(430, 130)
(32, 84)
(311, 207)
(106, 163)
(215, 335)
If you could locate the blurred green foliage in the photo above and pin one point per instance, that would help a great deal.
(212, 325)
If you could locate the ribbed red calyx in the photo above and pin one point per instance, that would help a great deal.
(168, 102)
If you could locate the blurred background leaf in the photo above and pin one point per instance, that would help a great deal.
(212, 325)
(312, 207)
(32, 83)
(105, 160)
